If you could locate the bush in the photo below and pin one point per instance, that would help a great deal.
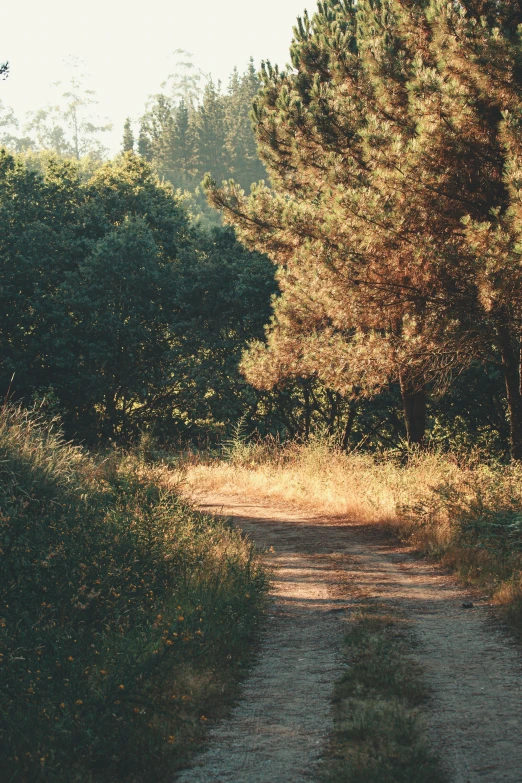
(119, 605)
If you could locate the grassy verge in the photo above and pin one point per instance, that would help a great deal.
(379, 736)
(466, 514)
(125, 616)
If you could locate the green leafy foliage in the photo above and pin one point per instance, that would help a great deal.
(112, 299)
(115, 597)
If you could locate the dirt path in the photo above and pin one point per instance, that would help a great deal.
(322, 569)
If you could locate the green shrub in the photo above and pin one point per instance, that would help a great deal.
(120, 606)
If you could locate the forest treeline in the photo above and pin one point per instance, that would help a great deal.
(187, 132)
(385, 160)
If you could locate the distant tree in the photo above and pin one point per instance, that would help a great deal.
(183, 145)
(4, 70)
(245, 164)
(144, 143)
(186, 138)
(211, 133)
(68, 127)
(128, 136)
(9, 126)
(171, 141)
(184, 84)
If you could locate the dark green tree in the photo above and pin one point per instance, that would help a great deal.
(86, 272)
(110, 299)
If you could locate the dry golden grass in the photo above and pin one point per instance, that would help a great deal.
(466, 514)
(317, 478)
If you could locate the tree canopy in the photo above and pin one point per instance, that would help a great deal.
(114, 304)
(392, 145)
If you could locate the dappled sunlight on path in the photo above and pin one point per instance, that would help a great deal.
(323, 568)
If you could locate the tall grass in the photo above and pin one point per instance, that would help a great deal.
(379, 735)
(124, 613)
(465, 512)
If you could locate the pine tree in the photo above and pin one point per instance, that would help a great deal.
(211, 131)
(245, 164)
(144, 145)
(183, 147)
(128, 137)
(397, 123)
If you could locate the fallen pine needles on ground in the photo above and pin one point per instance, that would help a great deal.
(126, 616)
(379, 735)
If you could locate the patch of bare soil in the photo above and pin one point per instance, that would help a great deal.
(322, 569)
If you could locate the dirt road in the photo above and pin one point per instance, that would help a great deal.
(322, 569)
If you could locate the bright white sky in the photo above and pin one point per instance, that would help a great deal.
(127, 45)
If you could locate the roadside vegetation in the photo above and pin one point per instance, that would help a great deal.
(127, 617)
(379, 733)
(463, 511)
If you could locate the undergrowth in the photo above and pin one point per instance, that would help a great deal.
(125, 615)
(379, 735)
(464, 512)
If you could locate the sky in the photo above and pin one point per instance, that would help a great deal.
(127, 47)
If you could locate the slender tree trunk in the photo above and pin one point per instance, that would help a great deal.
(307, 411)
(511, 367)
(414, 404)
(113, 418)
(349, 425)
(333, 399)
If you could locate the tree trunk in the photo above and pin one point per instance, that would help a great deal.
(414, 404)
(349, 425)
(307, 411)
(511, 368)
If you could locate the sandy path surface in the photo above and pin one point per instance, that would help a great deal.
(322, 569)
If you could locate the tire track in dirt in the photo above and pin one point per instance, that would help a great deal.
(322, 569)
